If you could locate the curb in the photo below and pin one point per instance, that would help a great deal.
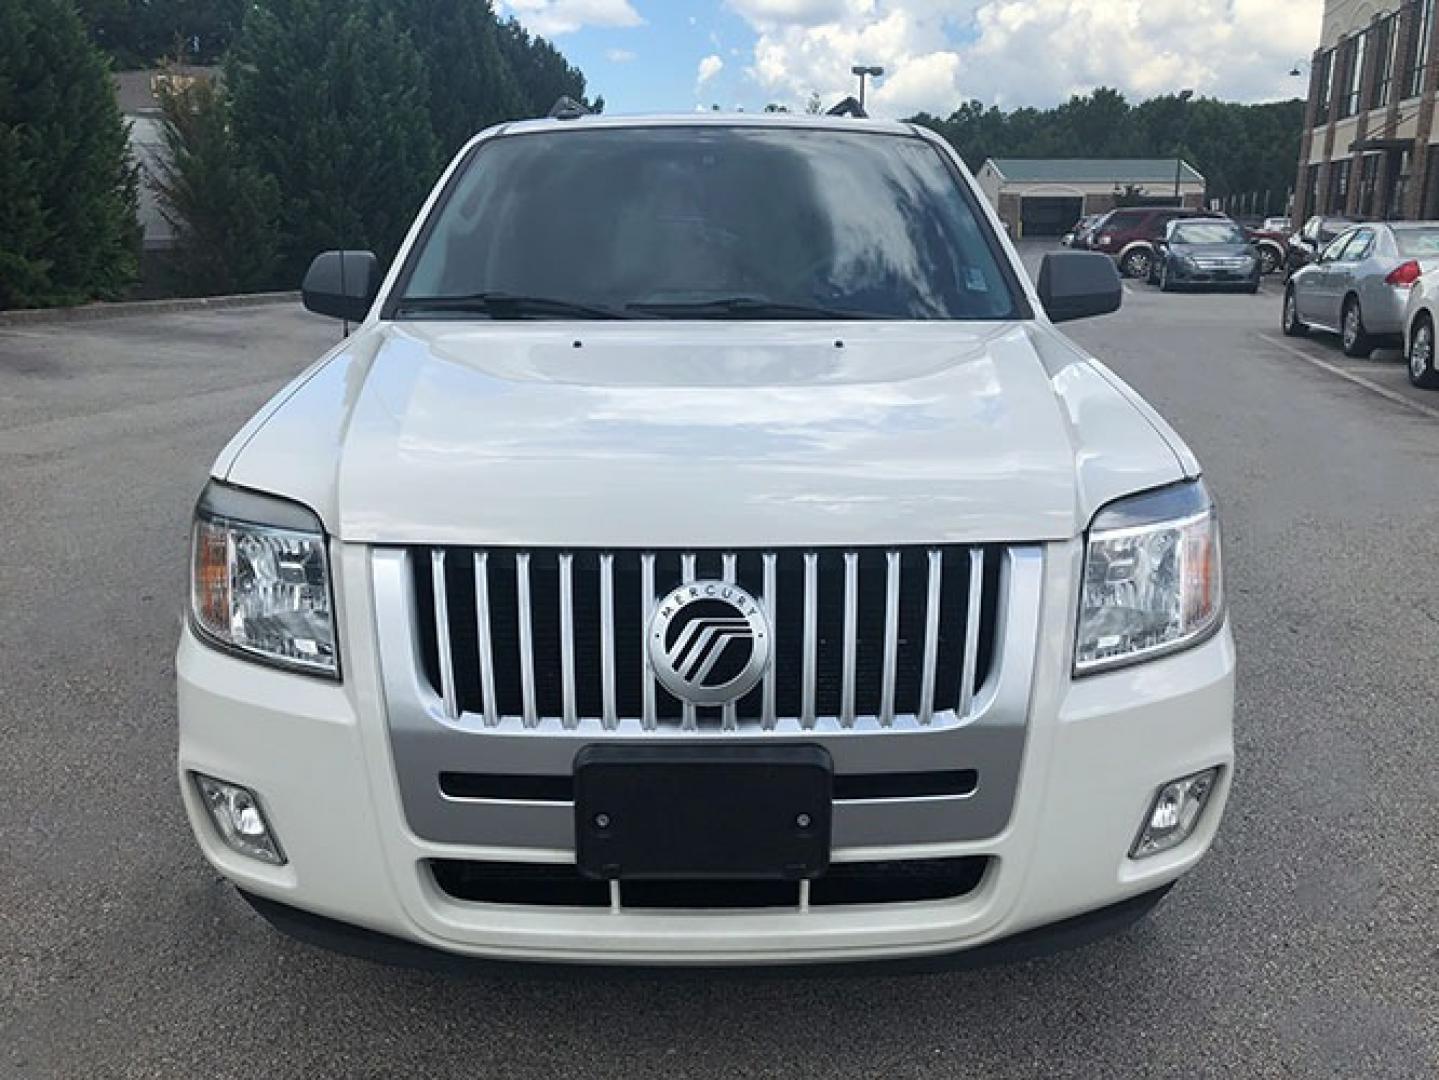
(129, 308)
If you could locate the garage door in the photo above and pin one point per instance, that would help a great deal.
(1049, 215)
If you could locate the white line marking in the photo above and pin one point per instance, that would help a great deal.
(1357, 380)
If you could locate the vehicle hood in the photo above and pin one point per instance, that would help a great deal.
(676, 434)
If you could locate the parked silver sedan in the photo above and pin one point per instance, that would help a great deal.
(1359, 286)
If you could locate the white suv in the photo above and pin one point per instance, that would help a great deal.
(705, 551)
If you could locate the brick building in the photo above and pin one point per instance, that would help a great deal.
(1369, 144)
(1045, 197)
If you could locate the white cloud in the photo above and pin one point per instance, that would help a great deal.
(709, 67)
(619, 56)
(937, 53)
(552, 17)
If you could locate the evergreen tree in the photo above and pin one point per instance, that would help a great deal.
(67, 186)
(472, 84)
(222, 209)
(329, 98)
(140, 33)
(540, 70)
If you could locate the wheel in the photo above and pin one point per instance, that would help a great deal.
(1136, 264)
(1291, 324)
(1421, 355)
(1356, 341)
(1166, 283)
(1268, 260)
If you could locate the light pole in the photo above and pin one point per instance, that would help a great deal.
(1184, 96)
(861, 70)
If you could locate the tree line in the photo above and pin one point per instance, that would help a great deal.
(327, 128)
(1238, 148)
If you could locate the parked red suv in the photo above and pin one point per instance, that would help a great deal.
(1128, 234)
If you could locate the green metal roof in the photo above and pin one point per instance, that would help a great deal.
(1092, 170)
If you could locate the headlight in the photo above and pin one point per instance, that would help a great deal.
(260, 580)
(1152, 579)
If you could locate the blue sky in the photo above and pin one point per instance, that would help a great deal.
(677, 55)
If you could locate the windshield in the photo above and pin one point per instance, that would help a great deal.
(1207, 232)
(1418, 243)
(706, 222)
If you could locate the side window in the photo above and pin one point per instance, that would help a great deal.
(1336, 248)
(1157, 224)
(1360, 245)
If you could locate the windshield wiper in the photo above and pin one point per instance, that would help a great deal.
(503, 305)
(744, 307)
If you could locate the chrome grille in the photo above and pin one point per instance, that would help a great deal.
(864, 638)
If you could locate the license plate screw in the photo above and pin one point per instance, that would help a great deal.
(803, 821)
(602, 821)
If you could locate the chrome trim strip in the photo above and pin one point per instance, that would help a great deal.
(482, 629)
(768, 718)
(891, 638)
(851, 637)
(570, 717)
(971, 630)
(442, 633)
(607, 639)
(647, 607)
(527, 641)
(811, 638)
(931, 637)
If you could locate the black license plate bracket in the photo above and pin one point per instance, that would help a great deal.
(703, 813)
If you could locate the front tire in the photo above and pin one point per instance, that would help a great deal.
(1291, 325)
(1356, 340)
(1166, 283)
(1136, 264)
(1421, 355)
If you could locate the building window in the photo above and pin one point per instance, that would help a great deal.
(1326, 86)
(1385, 49)
(1419, 50)
(1338, 187)
(1354, 85)
(1430, 195)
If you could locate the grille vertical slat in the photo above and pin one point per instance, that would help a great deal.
(442, 635)
(891, 638)
(860, 637)
(690, 717)
(971, 630)
(607, 640)
(931, 636)
(482, 636)
(729, 714)
(567, 639)
(527, 638)
(811, 638)
(647, 604)
(768, 715)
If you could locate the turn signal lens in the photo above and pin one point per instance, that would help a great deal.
(1405, 275)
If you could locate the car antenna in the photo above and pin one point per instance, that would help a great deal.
(849, 107)
(567, 108)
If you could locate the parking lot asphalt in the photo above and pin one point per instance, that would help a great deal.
(1305, 946)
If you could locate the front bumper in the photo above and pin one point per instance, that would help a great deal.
(319, 757)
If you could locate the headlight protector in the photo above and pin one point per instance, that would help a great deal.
(260, 580)
(1153, 582)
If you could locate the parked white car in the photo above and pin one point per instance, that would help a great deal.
(1421, 312)
(1359, 287)
(706, 550)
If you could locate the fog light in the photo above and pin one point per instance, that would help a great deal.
(1174, 813)
(237, 817)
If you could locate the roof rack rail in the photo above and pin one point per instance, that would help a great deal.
(849, 107)
(567, 108)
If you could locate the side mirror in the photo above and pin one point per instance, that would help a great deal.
(1079, 284)
(342, 284)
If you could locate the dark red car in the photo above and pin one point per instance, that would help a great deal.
(1128, 235)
